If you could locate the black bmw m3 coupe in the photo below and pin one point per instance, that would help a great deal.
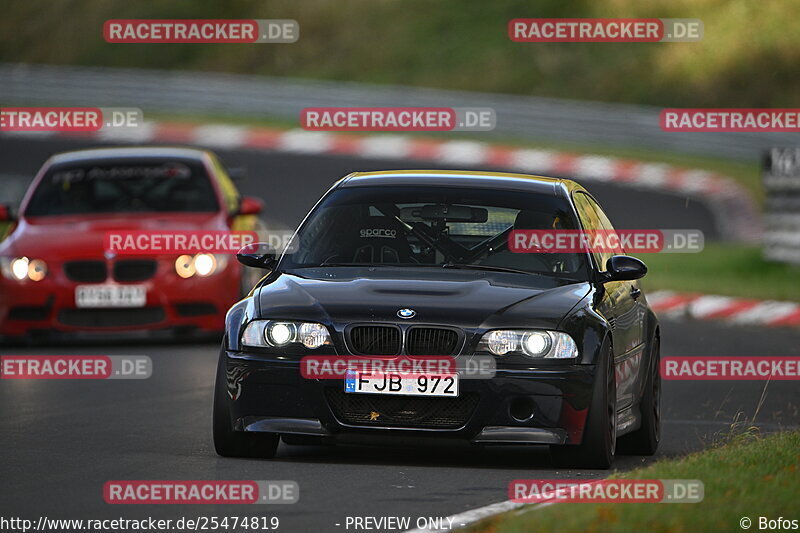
(421, 264)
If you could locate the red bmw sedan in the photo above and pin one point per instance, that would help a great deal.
(59, 278)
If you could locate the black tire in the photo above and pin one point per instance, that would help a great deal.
(230, 443)
(644, 441)
(600, 434)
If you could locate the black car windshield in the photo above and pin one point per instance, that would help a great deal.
(446, 227)
(123, 186)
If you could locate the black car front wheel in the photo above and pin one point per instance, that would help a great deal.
(600, 433)
(230, 443)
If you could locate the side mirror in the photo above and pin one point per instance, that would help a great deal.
(250, 205)
(258, 255)
(624, 268)
(6, 214)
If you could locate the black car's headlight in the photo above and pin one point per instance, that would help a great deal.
(276, 333)
(537, 343)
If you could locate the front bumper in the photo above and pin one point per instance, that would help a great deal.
(47, 310)
(268, 394)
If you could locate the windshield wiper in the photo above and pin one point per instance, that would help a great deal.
(469, 266)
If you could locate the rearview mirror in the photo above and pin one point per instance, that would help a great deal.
(445, 213)
(258, 255)
(624, 268)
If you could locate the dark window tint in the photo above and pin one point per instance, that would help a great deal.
(433, 226)
(593, 218)
(124, 186)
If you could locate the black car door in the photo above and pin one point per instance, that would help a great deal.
(619, 304)
(629, 321)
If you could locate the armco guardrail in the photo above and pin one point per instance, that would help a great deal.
(781, 182)
(236, 94)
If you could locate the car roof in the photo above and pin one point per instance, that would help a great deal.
(462, 178)
(129, 152)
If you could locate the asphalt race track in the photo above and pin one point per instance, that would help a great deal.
(62, 440)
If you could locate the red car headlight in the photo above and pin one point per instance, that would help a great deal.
(22, 268)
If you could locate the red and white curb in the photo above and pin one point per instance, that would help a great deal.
(740, 311)
(735, 211)
(461, 520)
(467, 518)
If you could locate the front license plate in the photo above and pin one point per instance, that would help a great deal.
(110, 296)
(443, 385)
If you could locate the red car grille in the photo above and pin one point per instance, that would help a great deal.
(110, 318)
(134, 269)
(125, 270)
(86, 271)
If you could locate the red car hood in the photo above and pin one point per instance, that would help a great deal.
(69, 237)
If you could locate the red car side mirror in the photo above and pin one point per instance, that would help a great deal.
(250, 205)
(5, 214)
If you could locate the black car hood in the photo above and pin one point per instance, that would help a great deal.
(464, 298)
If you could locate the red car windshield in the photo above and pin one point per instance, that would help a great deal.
(123, 187)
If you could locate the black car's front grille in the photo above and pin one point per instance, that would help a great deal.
(401, 411)
(375, 340)
(431, 341)
(134, 269)
(89, 271)
(110, 318)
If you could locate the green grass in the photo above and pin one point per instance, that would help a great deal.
(726, 269)
(747, 476)
(747, 58)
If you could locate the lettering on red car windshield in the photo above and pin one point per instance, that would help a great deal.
(167, 170)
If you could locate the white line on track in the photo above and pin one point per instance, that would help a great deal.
(466, 518)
